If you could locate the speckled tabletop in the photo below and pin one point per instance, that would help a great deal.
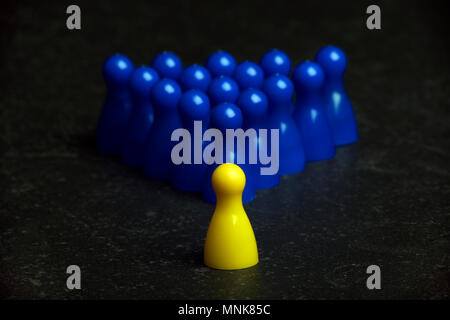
(383, 201)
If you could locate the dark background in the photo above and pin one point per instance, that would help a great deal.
(383, 201)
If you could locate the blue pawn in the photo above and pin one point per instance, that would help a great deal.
(254, 106)
(141, 82)
(118, 105)
(223, 89)
(279, 90)
(310, 115)
(193, 106)
(168, 65)
(227, 116)
(275, 61)
(338, 106)
(165, 95)
(249, 75)
(195, 77)
(221, 63)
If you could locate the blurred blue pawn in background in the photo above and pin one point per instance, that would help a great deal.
(168, 65)
(195, 77)
(226, 116)
(223, 89)
(310, 115)
(118, 105)
(279, 90)
(275, 61)
(194, 106)
(254, 106)
(338, 106)
(141, 82)
(165, 96)
(248, 75)
(221, 63)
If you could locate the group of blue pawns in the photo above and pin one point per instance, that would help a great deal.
(144, 105)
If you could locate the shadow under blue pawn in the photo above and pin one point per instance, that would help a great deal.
(280, 90)
(310, 114)
(141, 82)
(254, 106)
(337, 103)
(157, 162)
(118, 105)
(225, 116)
(195, 77)
(194, 110)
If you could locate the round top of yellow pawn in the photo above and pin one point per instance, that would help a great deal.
(228, 178)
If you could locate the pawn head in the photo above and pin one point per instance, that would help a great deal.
(117, 70)
(308, 75)
(275, 61)
(332, 59)
(278, 88)
(142, 80)
(168, 65)
(226, 116)
(194, 106)
(253, 103)
(223, 89)
(165, 94)
(249, 75)
(221, 63)
(228, 179)
(195, 77)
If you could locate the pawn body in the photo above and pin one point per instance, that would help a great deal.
(118, 105)
(279, 90)
(254, 106)
(141, 82)
(157, 162)
(310, 115)
(274, 62)
(338, 107)
(230, 242)
(194, 106)
(227, 116)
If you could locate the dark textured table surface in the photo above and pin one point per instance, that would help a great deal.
(383, 201)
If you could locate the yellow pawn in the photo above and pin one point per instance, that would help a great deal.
(230, 242)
